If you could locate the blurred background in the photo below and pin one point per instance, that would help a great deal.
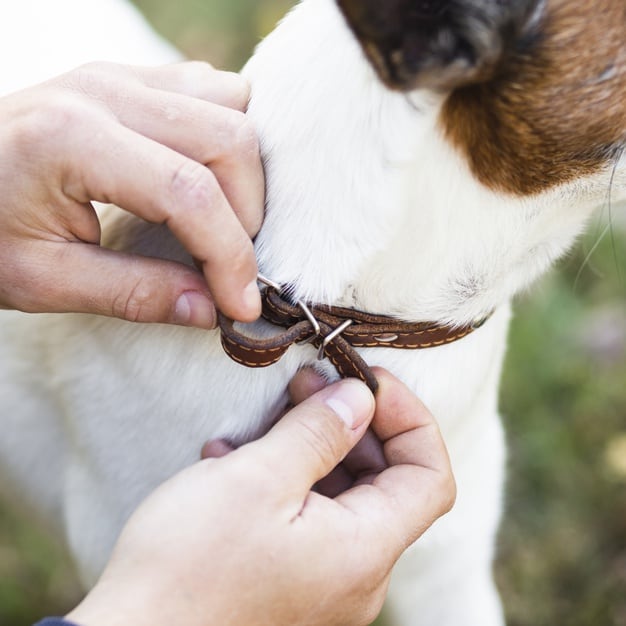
(562, 549)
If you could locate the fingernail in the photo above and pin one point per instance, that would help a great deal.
(252, 298)
(215, 449)
(352, 402)
(194, 309)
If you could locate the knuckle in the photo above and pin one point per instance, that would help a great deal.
(372, 607)
(240, 138)
(443, 485)
(18, 292)
(132, 304)
(240, 253)
(95, 77)
(193, 186)
(65, 110)
(196, 77)
(95, 68)
(246, 140)
(448, 490)
(234, 89)
(63, 113)
(201, 67)
(239, 88)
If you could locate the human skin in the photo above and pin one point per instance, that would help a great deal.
(170, 144)
(243, 539)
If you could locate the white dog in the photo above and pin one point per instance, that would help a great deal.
(426, 161)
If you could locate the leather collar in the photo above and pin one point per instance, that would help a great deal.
(335, 331)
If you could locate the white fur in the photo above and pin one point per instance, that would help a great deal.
(43, 38)
(367, 207)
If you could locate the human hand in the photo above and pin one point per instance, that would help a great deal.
(140, 138)
(243, 540)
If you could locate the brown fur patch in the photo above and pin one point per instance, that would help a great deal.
(556, 108)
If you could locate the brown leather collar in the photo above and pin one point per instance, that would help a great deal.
(336, 332)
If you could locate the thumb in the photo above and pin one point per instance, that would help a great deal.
(85, 278)
(316, 435)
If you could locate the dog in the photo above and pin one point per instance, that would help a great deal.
(424, 160)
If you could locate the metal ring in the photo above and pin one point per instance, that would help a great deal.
(331, 337)
(481, 321)
(305, 309)
(269, 283)
(310, 317)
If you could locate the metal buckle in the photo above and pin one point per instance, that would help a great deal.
(332, 335)
(321, 355)
(305, 309)
(269, 283)
(311, 318)
(480, 321)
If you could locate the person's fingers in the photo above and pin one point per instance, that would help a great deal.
(84, 278)
(162, 186)
(221, 138)
(314, 437)
(198, 79)
(418, 487)
(366, 460)
(402, 421)
(304, 384)
(155, 102)
(338, 481)
(361, 466)
(216, 449)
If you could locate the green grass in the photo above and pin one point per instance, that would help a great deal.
(562, 550)
(563, 546)
(222, 32)
(35, 577)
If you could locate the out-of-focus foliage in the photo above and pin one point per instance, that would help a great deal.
(562, 550)
(35, 577)
(223, 32)
(563, 544)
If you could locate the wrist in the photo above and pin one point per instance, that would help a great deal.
(140, 601)
(116, 605)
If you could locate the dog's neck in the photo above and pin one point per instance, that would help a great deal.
(390, 219)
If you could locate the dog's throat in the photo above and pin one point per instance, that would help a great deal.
(336, 332)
